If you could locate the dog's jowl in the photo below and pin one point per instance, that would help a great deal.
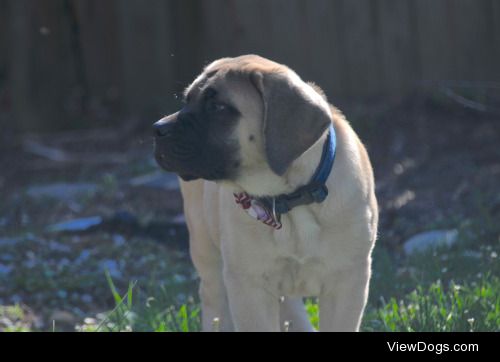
(278, 195)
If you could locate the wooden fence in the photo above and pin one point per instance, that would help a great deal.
(64, 63)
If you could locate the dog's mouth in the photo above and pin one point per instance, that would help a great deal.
(192, 161)
(171, 166)
(188, 177)
(162, 161)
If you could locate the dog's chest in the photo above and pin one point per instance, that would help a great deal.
(299, 256)
(293, 261)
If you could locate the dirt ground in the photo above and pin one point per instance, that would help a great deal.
(436, 161)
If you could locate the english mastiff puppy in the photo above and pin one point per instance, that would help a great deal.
(278, 196)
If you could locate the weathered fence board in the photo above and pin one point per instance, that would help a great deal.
(4, 11)
(96, 23)
(64, 60)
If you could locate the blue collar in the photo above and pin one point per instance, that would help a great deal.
(315, 191)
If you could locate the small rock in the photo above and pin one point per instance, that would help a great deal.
(63, 263)
(8, 241)
(472, 254)
(55, 246)
(112, 267)
(7, 257)
(89, 320)
(84, 255)
(87, 298)
(35, 239)
(118, 240)
(429, 240)
(30, 264)
(63, 191)
(5, 269)
(63, 317)
(16, 299)
(178, 278)
(82, 224)
(75, 206)
(402, 199)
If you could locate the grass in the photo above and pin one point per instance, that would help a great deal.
(151, 317)
(12, 319)
(455, 308)
(446, 289)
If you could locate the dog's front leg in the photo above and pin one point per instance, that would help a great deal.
(293, 311)
(214, 304)
(253, 307)
(341, 309)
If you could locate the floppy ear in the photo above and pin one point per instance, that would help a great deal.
(293, 118)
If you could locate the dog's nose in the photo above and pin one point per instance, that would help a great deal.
(162, 128)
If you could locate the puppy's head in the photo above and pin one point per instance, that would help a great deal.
(241, 114)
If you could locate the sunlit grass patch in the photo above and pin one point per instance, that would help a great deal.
(473, 306)
(14, 318)
(153, 314)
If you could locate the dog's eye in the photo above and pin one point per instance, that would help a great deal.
(217, 107)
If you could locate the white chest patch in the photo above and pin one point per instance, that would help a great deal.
(298, 264)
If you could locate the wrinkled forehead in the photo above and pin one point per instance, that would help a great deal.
(232, 86)
(235, 71)
(193, 90)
